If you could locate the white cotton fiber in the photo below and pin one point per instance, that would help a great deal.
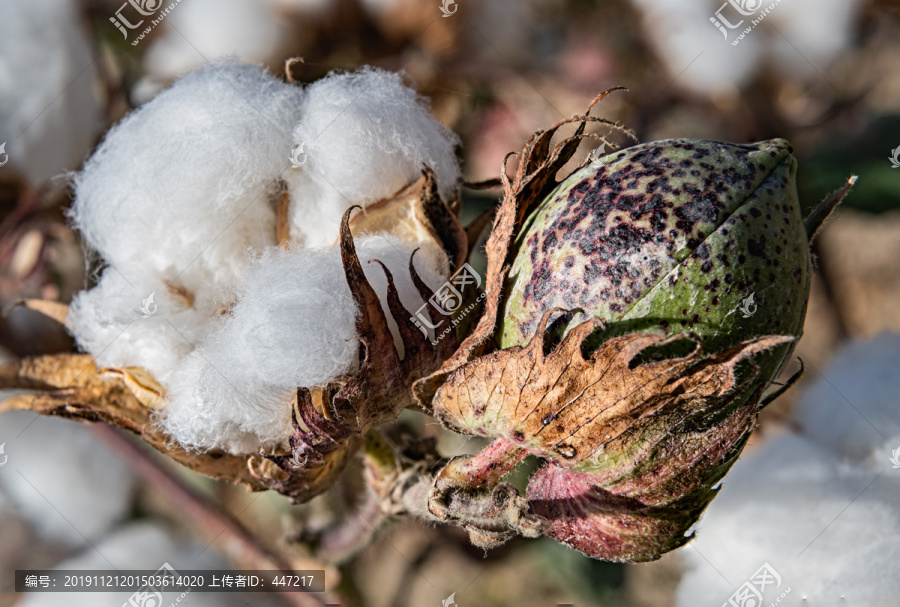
(817, 522)
(853, 408)
(67, 485)
(293, 325)
(365, 135)
(822, 508)
(110, 324)
(49, 112)
(200, 31)
(184, 185)
(695, 53)
(181, 190)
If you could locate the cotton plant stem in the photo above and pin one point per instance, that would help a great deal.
(207, 516)
(485, 468)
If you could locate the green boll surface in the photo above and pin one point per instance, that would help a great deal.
(675, 233)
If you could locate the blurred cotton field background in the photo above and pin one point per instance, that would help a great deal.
(809, 516)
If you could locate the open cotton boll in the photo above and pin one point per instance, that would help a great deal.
(826, 528)
(182, 187)
(67, 485)
(365, 135)
(200, 31)
(109, 322)
(294, 324)
(855, 412)
(49, 112)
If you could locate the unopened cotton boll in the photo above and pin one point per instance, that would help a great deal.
(294, 324)
(49, 112)
(364, 136)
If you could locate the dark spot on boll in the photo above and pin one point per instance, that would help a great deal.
(757, 248)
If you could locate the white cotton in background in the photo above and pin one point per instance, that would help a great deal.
(199, 31)
(853, 408)
(820, 30)
(696, 54)
(365, 135)
(138, 323)
(68, 486)
(294, 325)
(49, 110)
(142, 546)
(831, 533)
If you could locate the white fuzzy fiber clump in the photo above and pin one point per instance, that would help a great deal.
(365, 136)
(293, 325)
(822, 509)
(179, 187)
(181, 190)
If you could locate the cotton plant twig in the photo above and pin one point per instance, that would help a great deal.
(208, 517)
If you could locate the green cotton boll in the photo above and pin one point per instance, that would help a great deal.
(683, 234)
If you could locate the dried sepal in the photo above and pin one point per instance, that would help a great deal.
(417, 214)
(71, 386)
(581, 411)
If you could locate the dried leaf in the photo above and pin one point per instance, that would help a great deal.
(71, 386)
(141, 384)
